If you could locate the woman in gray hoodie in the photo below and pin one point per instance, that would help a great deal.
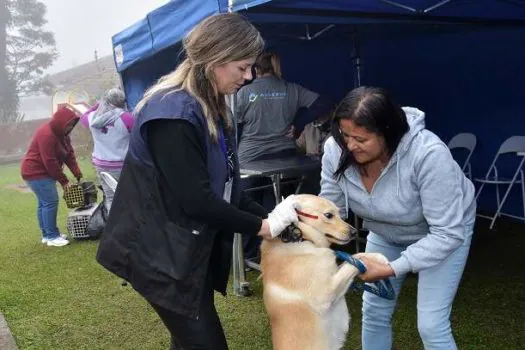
(383, 165)
(110, 125)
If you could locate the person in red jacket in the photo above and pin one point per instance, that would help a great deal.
(42, 166)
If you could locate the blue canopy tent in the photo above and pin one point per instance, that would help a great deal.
(461, 61)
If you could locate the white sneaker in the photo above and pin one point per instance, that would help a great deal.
(57, 242)
(44, 240)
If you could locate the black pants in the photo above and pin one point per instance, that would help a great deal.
(206, 333)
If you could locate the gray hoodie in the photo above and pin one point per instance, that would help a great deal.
(422, 200)
(103, 117)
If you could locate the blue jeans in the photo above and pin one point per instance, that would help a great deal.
(47, 198)
(436, 290)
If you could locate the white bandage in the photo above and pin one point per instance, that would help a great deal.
(283, 215)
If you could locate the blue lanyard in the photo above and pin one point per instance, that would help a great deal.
(224, 148)
(222, 143)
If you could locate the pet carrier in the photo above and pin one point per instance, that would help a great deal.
(78, 220)
(80, 195)
(74, 196)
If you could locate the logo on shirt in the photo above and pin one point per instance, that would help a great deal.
(267, 96)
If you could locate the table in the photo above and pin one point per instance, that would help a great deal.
(274, 169)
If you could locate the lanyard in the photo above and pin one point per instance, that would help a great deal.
(228, 154)
(222, 143)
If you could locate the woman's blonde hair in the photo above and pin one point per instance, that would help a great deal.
(217, 40)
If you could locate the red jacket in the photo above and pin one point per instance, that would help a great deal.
(50, 149)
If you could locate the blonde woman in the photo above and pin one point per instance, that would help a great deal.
(170, 229)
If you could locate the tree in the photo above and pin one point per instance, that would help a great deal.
(30, 50)
(8, 96)
(8, 101)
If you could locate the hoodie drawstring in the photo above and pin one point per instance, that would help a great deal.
(346, 205)
(398, 173)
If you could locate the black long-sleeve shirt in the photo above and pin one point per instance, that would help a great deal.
(181, 159)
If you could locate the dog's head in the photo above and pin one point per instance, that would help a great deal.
(320, 222)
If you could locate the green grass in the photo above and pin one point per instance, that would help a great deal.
(60, 298)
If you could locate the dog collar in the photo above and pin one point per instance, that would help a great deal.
(302, 213)
(292, 234)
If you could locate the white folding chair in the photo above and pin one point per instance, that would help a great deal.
(112, 184)
(513, 145)
(109, 180)
(464, 141)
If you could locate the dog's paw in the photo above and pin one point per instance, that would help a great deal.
(378, 257)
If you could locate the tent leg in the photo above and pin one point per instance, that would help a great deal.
(356, 58)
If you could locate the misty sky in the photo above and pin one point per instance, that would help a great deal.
(83, 26)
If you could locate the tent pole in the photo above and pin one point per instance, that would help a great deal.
(431, 8)
(356, 58)
(397, 4)
(411, 9)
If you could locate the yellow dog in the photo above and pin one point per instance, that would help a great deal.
(304, 288)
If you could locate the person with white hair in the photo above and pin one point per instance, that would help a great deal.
(110, 125)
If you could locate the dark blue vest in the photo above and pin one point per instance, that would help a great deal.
(179, 105)
(155, 250)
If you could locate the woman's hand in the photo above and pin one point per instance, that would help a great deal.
(265, 232)
(375, 270)
(291, 132)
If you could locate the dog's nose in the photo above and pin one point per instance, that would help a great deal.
(353, 232)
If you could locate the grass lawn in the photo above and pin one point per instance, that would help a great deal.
(60, 298)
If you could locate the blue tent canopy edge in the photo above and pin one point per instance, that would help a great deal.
(168, 24)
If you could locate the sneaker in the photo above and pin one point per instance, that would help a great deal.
(57, 242)
(44, 240)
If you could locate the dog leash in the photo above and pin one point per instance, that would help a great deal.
(382, 288)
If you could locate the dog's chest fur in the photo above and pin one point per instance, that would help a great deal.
(301, 275)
